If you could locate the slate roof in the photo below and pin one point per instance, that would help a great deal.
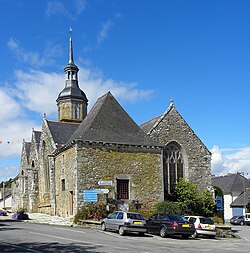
(37, 135)
(62, 131)
(27, 146)
(231, 183)
(108, 122)
(147, 126)
(242, 199)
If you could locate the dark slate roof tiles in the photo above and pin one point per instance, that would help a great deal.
(231, 182)
(108, 122)
(62, 131)
(242, 200)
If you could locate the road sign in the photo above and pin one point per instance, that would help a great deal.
(90, 196)
(219, 202)
(105, 182)
(102, 191)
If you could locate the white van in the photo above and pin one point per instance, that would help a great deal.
(247, 219)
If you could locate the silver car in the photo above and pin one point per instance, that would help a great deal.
(124, 222)
(204, 226)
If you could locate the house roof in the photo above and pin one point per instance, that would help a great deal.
(242, 200)
(231, 182)
(108, 122)
(62, 131)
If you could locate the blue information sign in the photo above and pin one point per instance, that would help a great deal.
(219, 203)
(90, 196)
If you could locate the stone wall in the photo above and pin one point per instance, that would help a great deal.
(47, 146)
(197, 158)
(65, 169)
(141, 166)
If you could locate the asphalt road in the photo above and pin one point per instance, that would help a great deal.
(28, 237)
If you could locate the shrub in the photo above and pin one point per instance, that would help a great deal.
(170, 207)
(92, 211)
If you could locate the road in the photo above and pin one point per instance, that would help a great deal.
(28, 237)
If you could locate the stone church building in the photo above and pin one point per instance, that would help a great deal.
(105, 155)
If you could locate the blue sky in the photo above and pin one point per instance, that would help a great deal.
(145, 52)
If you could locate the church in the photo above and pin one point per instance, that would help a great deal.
(104, 155)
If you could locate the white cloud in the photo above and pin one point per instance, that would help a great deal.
(33, 58)
(9, 108)
(230, 160)
(39, 90)
(103, 33)
(8, 172)
(80, 6)
(56, 7)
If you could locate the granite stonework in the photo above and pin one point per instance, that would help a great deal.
(171, 127)
(83, 165)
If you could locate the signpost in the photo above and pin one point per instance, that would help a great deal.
(105, 182)
(102, 191)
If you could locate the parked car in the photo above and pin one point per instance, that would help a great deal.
(168, 224)
(247, 219)
(238, 220)
(204, 226)
(124, 222)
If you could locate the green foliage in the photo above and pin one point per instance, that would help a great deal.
(7, 183)
(92, 211)
(21, 211)
(219, 192)
(170, 207)
(218, 220)
(197, 202)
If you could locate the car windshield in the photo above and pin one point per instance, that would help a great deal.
(206, 221)
(135, 216)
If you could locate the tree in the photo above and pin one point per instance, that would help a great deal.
(197, 202)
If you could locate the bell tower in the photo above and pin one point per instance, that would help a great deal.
(71, 102)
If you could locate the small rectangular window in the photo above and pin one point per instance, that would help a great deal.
(63, 184)
(122, 189)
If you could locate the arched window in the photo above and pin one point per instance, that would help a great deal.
(173, 165)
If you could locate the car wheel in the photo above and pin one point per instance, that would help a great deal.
(241, 223)
(103, 226)
(121, 231)
(163, 232)
(194, 235)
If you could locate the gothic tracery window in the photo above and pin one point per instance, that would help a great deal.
(174, 165)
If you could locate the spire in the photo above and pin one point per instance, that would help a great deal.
(72, 101)
(71, 60)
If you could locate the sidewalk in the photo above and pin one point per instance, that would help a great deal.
(41, 218)
(48, 219)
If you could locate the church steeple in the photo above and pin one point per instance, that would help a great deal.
(71, 59)
(72, 101)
